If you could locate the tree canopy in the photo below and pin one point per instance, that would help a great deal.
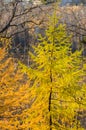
(56, 79)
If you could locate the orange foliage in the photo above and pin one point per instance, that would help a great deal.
(14, 94)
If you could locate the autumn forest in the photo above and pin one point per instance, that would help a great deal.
(42, 65)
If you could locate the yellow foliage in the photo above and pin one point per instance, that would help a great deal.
(56, 78)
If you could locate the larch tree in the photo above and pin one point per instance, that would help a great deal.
(56, 81)
(14, 92)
